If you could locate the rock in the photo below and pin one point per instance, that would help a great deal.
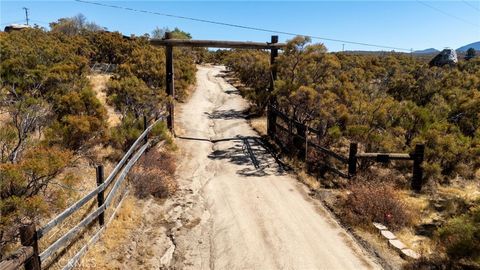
(407, 253)
(379, 226)
(397, 244)
(427, 229)
(445, 57)
(388, 234)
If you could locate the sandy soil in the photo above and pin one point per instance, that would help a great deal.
(237, 209)
(99, 83)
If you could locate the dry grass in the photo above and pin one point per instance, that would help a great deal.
(308, 180)
(259, 125)
(421, 244)
(84, 181)
(373, 202)
(469, 191)
(378, 243)
(154, 175)
(109, 252)
(99, 83)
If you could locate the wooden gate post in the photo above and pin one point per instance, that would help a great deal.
(100, 195)
(145, 127)
(28, 237)
(306, 145)
(271, 121)
(169, 83)
(417, 177)
(352, 159)
(273, 67)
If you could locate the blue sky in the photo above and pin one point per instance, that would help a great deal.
(405, 24)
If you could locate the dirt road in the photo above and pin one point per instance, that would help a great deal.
(237, 209)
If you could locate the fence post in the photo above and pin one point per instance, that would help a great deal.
(145, 127)
(100, 195)
(170, 83)
(417, 177)
(269, 121)
(273, 68)
(306, 144)
(352, 159)
(290, 132)
(28, 237)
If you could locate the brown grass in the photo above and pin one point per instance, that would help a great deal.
(259, 125)
(99, 83)
(109, 252)
(155, 175)
(375, 202)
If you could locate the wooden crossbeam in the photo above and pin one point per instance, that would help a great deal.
(217, 44)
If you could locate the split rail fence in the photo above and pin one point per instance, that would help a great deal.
(300, 140)
(29, 254)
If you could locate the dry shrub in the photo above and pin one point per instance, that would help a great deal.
(375, 202)
(154, 175)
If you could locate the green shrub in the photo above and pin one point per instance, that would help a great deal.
(460, 236)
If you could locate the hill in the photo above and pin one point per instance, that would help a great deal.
(475, 45)
(427, 51)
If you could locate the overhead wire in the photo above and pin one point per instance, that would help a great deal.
(447, 14)
(244, 26)
(470, 5)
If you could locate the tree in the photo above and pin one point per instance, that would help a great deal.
(470, 54)
(74, 25)
(159, 33)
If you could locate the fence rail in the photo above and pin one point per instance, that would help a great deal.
(295, 137)
(30, 257)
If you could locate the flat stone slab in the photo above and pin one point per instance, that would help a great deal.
(388, 234)
(397, 244)
(409, 254)
(380, 226)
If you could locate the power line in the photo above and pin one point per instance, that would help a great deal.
(470, 5)
(447, 14)
(243, 26)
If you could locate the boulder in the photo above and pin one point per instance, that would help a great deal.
(445, 57)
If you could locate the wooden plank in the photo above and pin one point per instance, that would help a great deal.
(394, 156)
(281, 114)
(124, 173)
(70, 210)
(330, 152)
(17, 259)
(75, 259)
(284, 129)
(72, 233)
(337, 171)
(216, 44)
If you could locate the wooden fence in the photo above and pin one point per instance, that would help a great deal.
(29, 254)
(300, 140)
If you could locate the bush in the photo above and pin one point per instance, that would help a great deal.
(375, 202)
(154, 175)
(461, 237)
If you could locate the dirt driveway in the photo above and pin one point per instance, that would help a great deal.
(237, 209)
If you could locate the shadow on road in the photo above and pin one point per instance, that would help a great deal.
(226, 114)
(246, 151)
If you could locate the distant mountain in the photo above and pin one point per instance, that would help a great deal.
(427, 51)
(475, 45)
